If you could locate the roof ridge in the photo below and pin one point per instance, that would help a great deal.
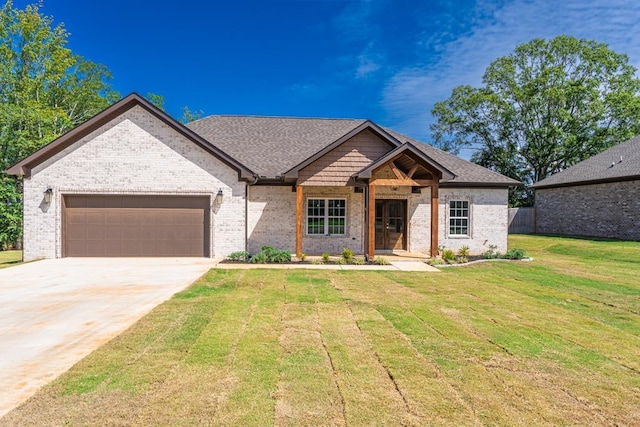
(259, 116)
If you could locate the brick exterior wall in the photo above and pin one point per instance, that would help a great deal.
(134, 153)
(271, 219)
(489, 214)
(610, 210)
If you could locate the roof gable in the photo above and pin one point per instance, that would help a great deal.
(24, 166)
(407, 148)
(367, 125)
(619, 163)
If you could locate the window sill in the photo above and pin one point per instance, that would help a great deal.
(458, 236)
(325, 235)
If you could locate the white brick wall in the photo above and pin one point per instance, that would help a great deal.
(271, 219)
(135, 153)
(489, 218)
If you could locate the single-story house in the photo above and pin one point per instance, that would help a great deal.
(132, 181)
(598, 197)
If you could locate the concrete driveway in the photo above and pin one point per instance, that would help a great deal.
(55, 312)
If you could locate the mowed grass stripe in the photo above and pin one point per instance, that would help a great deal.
(255, 369)
(426, 391)
(307, 393)
(370, 397)
(493, 397)
(585, 330)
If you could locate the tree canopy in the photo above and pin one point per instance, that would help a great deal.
(45, 90)
(543, 108)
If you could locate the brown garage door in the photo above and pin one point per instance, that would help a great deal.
(135, 226)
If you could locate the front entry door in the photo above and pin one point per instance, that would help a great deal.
(390, 224)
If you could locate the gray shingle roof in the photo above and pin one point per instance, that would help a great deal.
(271, 146)
(465, 171)
(618, 163)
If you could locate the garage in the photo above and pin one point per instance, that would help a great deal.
(135, 226)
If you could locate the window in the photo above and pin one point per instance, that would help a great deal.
(326, 216)
(459, 218)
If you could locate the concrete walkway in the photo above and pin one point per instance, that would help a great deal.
(55, 312)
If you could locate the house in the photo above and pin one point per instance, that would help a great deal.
(598, 197)
(132, 181)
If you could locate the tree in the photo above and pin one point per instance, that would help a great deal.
(543, 108)
(45, 90)
(189, 116)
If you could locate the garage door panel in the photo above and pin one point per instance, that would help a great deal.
(135, 226)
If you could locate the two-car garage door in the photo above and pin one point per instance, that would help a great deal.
(135, 226)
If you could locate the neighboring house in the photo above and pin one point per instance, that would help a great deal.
(598, 197)
(132, 181)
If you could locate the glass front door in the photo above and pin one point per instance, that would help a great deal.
(390, 224)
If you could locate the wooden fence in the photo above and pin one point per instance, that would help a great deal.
(522, 220)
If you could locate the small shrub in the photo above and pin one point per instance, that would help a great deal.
(514, 254)
(357, 261)
(347, 254)
(325, 257)
(341, 261)
(448, 255)
(238, 256)
(380, 261)
(259, 258)
(317, 262)
(463, 252)
(491, 253)
(302, 256)
(435, 261)
(280, 256)
(268, 251)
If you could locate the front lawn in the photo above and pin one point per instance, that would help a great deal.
(10, 258)
(555, 341)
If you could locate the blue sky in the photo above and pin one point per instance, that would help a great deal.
(384, 60)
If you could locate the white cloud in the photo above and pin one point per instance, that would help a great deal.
(409, 95)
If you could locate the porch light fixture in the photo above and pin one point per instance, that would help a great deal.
(48, 194)
(219, 197)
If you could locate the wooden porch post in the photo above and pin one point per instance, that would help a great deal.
(299, 218)
(371, 209)
(435, 204)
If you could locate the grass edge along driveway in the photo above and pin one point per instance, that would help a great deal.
(554, 341)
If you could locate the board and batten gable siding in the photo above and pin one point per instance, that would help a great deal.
(608, 210)
(135, 153)
(337, 166)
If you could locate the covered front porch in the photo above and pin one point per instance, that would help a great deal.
(397, 190)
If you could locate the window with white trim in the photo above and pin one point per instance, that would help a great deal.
(458, 217)
(326, 217)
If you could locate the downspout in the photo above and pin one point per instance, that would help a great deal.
(246, 212)
(365, 231)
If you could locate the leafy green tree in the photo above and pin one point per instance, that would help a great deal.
(155, 99)
(189, 116)
(543, 108)
(45, 90)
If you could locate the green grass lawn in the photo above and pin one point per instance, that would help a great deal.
(555, 341)
(10, 258)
